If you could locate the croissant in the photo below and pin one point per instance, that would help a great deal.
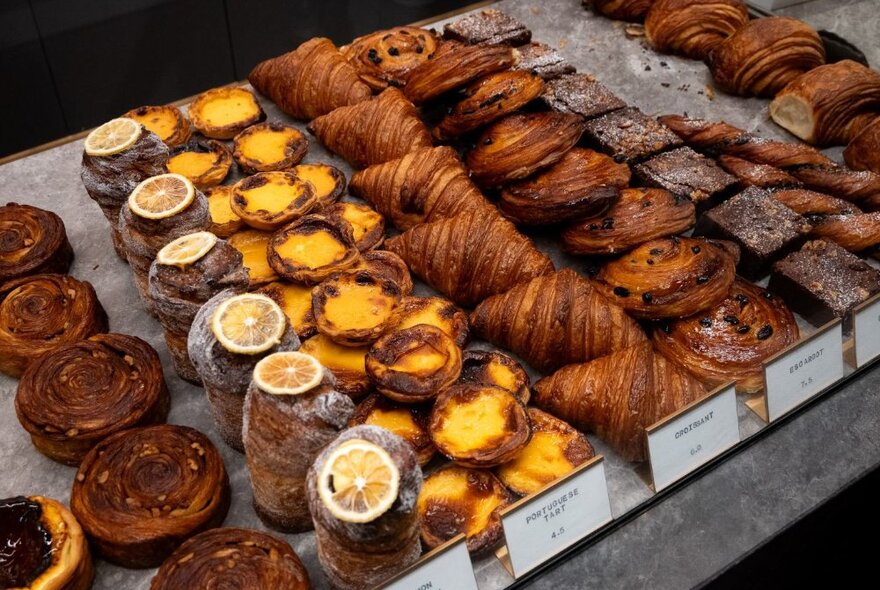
(455, 65)
(488, 26)
(470, 256)
(764, 55)
(830, 104)
(670, 278)
(629, 10)
(693, 28)
(618, 396)
(554, 320)
(310, 81)
(374, 131)
(43, 312)
(32, 241)
(863, 152)
(386, 58)
(583, 183)
(730, 341)
(422, 186)
(759, 175)
(638, 216)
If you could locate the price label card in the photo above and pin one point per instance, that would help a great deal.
(866, 331)
(692, 436)
(804, 370)
(543, 524)
(448, 567)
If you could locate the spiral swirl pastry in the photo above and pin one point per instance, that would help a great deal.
(43, 312)
(693, 28)
(232, 558)
(141, 492)
(32, 241)
(73, 397)
(629, 10)
(670, 278)
(729, 341)
(385, 58)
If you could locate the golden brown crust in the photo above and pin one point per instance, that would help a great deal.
(454, 65)
(32, 241)
(863, 151)
(238, 108)
(693, 28)
(224, 221)
(166, 121)
(345, 362)
(759, 175)
(251, 161)
(368, 226)
(387, 265)
(490, 367)
(408, 421)
(812, 204)
(435, 311)
(386, 58)
(206, 162)
(354, 308)
(304, 271)
(856, 233)
(328, 181)
(853, 185)
(291, 198)
(629, 10)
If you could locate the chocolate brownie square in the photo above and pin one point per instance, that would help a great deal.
(685, 172)
(488, 26)
(763, 228)
(580, 94)
(542, 60)
(822, 281)
(629, 135)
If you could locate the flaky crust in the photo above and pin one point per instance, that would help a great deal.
(32, 241)
(386, 58)
(629, 10)
(455, 65)
(759, 175)
(693, 28)
(863, 152)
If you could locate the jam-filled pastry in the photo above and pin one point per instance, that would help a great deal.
(488, 26)
(223, 113)
(639, 215)
(730, 341)
(555, 320)
(43, 312)
(863, 152)
(141, 492)
(669, 277)
(363, 539)
(32, 241)
(206, 162)
(408, 421)
(312, 248)
(490, 367)
(628, 10)
(693, 28)
(43, 546)
(77, 395)
(310, 81)
(232, 558)
(166, 121)
(759, 175)
(385, 58)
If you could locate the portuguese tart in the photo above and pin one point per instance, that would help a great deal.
(269, 200)
(354, 308)
(433, 311)
(205, 162)
(224, 221)
(367, 225)
(345, 362)
(387, 265)
(385, 58)
(254, 247)
(296, 302)
(408, 421)
(328, 181)
(32, 241)
(165, 121)
(490, 367)
(312, 248)
(265, 147)
(223, 113)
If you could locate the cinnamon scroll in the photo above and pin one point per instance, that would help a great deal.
(386, 58)
(32, 241)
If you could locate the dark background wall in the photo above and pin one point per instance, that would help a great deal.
(69, 65)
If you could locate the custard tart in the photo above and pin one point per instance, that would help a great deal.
(223, 113)
(165, 121)
(205, 163)
(269, 146)
(269, 200)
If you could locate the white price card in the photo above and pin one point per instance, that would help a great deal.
(866, 331)
(701, 431)
(448, 567)
(804, 370)
(544, 524)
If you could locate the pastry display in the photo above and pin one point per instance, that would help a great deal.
(759, 175)
(347, 363)
(266, 147)
(291, 412)
(489, 367)
(166, 121)
(408, 421)
(693, 28)
(684, 172)
(386, 58)
(254, 247)
(354, 308)
(185, 274)
(312, 248)
(863, 152)
(555, 320)
(368, 226)
(296, 303)
(580, 94)
(488, 26)
(224, 221)
(309, 81)
(542, 60)
(229, 335)
(43, 546)
(456, 500)
(619, 395)
(223, 113)
(205, 162)
(638, 216)
(32, 241)
(232, 558)
(41, 313)
(327, 181)
(75, 396)
(628, 10)
(270, 200)
(387, 265)
(141, 492)
(362, 492)
(433, 311)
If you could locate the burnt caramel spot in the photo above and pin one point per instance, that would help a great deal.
(25, 545)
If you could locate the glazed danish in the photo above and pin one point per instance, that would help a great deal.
(32, 241)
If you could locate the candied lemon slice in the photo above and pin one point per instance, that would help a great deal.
(112, 137)
(288, 373)
(248, 323)
(186, 249)
(358, 482)
(161, 196)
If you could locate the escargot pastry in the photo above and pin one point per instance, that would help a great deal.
(354, 308)
(269, 146)
(32, 241)
(386, 58)
(268, 200)
(408, 421)
(312, 248)
(485, 367)
(165, 121)
(222, 113)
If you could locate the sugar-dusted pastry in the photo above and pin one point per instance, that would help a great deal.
(43, 546)
(488, 26)
(630, 135)
(520, 145)
(265, 147)
(328, 181)
(354, 308)
(385, 58)
(32, 241)
(229, 335)
(291, 412)
(296, 303)
(166, 121)
(730, 341)
(368, 226)
(312, 248)
(232, 558)
(639, 215)
(185, 274)
(456, 500)
(684, 172)
(470, 256)
(628, 10)
(861, 186)
(580, 94)
(224, 221)
(490, 367)
(583, 183)
(754, 174)
(387, 265)
(75, 396)
(347, 363)
(693, 28)
(206, 162)
(362, 492)
(619, 395)
(270, 200)
(40, 313)
(543, 60)
(555, 320)
(813, 205)
(309, 81)
(408, 421)
(834, 219)
(434, 311)
(863, 152)
(222, 113)
(254, 247)
(669, 277)
(373, 131)
(141, 492)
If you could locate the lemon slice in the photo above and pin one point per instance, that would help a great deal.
(112, 137)
(186, 249)
(248, 323)
(161, 196)
(358, 482)
(288, 373)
